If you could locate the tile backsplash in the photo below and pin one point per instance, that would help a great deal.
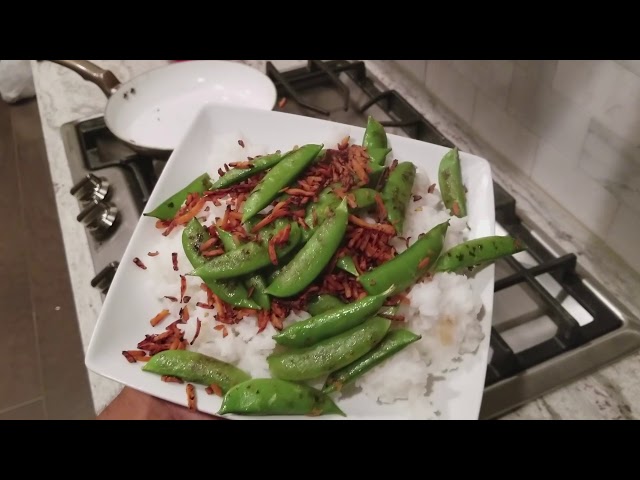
(573, 126)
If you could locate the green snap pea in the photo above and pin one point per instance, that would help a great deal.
(169, 207)
(317, 212)
(323, 303)
(378, 156)
(396, 193)
(248, 258)
(195, 367)
(230, 291)
(255, 280)
(313, 257)
(392, 343)
(330, 354)
(365, 197)
(237, 175)
(271, 396)
(451, 186)
(477, 252)
(328, 324)
(347, 264)
(374, 135)
(279, 177)
(260, 295)
(405, 269)
(376, 175)
(228, 242)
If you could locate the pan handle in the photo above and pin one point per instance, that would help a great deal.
(104, 79)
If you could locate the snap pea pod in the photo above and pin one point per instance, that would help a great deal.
(259, 285)
(255, 280)
(313, 257)
(317, 212)
(328, 324)
(323, 303)
(378, 156)
(279, 177)
(237, 175)
(248, 258)
(365, 197)
(196, 367)
(392, 343)
(406, 268)
(374, 135)
(375, 176)
(271, 396)
(330, 354)
(396, 193)
(451, 186)
(230, 291)
(346, 263)
(477, 252)
(169, 207)
(228, 242)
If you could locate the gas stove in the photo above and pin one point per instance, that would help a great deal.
(552, 322)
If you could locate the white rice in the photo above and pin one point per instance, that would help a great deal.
(444, 310)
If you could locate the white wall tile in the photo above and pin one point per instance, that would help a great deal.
(541, 71)
(547, 113)
(453, 89)
(504, 133)
(492, 77)
(613, 163)
(623, 236)
(632, 65)
(586, 82)
(620, 108)
(414, 68)
(580, 194)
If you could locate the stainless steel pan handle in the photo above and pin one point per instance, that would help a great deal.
(104, 79)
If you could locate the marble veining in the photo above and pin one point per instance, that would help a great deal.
(613, 162)
(613, 392)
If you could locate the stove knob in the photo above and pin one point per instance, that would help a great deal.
(91, 188)
(99, 217)
(103, 279)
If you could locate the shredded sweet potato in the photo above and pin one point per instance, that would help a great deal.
(159, 317)
(183, 287)
(214, 389)
(171, 379)
(191, 397)
(204, 305)
(198, 325)
(380, 227)
(208, 244)
(213, 253)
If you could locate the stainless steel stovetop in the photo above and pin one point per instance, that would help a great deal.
(552, 321)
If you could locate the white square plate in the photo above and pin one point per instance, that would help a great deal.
(132, 298)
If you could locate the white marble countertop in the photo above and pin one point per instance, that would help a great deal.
(613, 392)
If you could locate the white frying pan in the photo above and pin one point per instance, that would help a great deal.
(151, 112)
